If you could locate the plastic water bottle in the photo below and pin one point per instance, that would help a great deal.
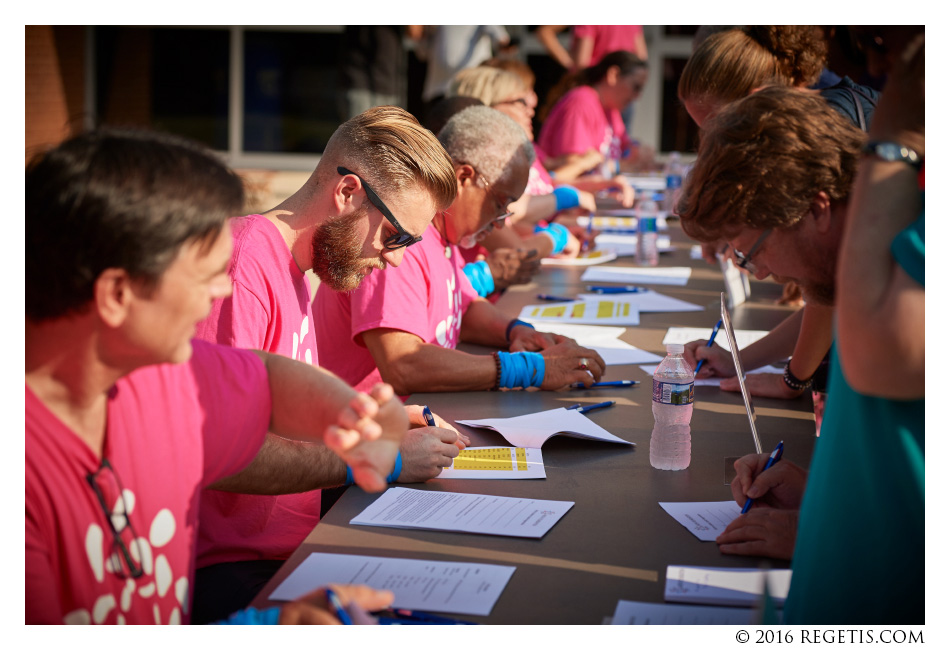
(648, 253)
(674, 180)
(672, 410)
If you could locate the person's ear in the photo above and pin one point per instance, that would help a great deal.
(465, 174)
(821, 211)
(344, 192)
(112, 296)
(613, 75)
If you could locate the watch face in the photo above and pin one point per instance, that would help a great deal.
(893, 152)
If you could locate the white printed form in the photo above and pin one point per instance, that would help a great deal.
(467, 513)
(630, 612)
(706, 519)
(449, 587)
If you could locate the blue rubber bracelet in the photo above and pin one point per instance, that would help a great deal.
(521, 369)
(397, 469)
(479, 274)
(566, 197)
(252, 616)
(557, 233)
(349, 476)
(514, 323)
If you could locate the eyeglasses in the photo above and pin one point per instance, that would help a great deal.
(502, 205)
(402, 237)
(127, 567)
(745, 259)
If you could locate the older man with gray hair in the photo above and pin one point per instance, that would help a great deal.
(403, 324)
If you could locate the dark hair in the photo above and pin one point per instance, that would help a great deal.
(443, 110)
(762, 161)
(117, 199)
(626, 61)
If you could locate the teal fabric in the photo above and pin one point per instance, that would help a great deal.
(859, 556)
(253, 616)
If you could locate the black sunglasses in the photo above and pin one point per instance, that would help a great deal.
(402, 237)
(127, 566)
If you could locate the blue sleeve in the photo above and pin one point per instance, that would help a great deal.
(252, 616)
(908, 249)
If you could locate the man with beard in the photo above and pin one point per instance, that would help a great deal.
(377, 186)
(774, 178)
(404, 324)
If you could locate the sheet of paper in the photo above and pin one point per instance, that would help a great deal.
(735, 281)
(622, 220)
(649, 301)
(495, 463)
(696, 252)
(534, 429)
(600, 311)
(427, 585)
(706, 519)
(641, 182)
(715, 381)
(597, 256)
(686, 334)
(400, 507)
(602, 340)
(630, 612)
(672, 275)
(719, 586)
(625, 245)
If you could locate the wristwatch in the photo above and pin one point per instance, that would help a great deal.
(893, 152)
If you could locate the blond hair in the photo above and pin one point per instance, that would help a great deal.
(388, 147)
(488, 84)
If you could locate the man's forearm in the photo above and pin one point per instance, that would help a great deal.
(287, 466)
(484, 324)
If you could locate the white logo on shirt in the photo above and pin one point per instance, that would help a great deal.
(99, 542)
(447, 330)
(307, 354)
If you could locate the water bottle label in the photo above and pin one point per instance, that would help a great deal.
(674, 181)
(677, 394)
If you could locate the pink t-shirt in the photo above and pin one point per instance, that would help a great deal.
(426, 295)
(608, 38)
(269, 310)
(579, 122)
(539, 180)
(171, 429)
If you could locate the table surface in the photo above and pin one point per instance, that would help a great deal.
(616, 542)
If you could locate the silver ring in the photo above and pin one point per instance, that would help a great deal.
(583, 365)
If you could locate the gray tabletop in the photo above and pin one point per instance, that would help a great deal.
(616, 542)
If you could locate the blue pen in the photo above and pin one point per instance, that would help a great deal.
(545, 296)
(602, 405)
(625, 289)
(338, 607)
(709, 344)
(590, 230)
(604, 384)
(774, 457)
(573, 406)
(427, 414)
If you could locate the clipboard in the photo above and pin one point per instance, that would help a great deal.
(740, 373)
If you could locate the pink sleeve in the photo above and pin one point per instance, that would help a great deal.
(234, 396)
(575, 128)
(584, 31)
(239, 321)
(394, 298)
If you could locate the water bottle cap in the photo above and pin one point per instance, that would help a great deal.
(674, 348)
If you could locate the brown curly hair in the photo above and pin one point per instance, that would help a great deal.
(729, 65)
(764, 159)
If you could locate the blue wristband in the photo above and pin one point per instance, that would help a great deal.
(252, 616)
(349, 476)
(557, 233)
(566, 197)
(397, 469)
(479, 274)
(513, 324)
(521, 369)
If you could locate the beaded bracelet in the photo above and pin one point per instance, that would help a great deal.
(792, 381)
(497, 371)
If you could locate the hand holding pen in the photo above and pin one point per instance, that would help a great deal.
(712, 339)
(781, 487)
